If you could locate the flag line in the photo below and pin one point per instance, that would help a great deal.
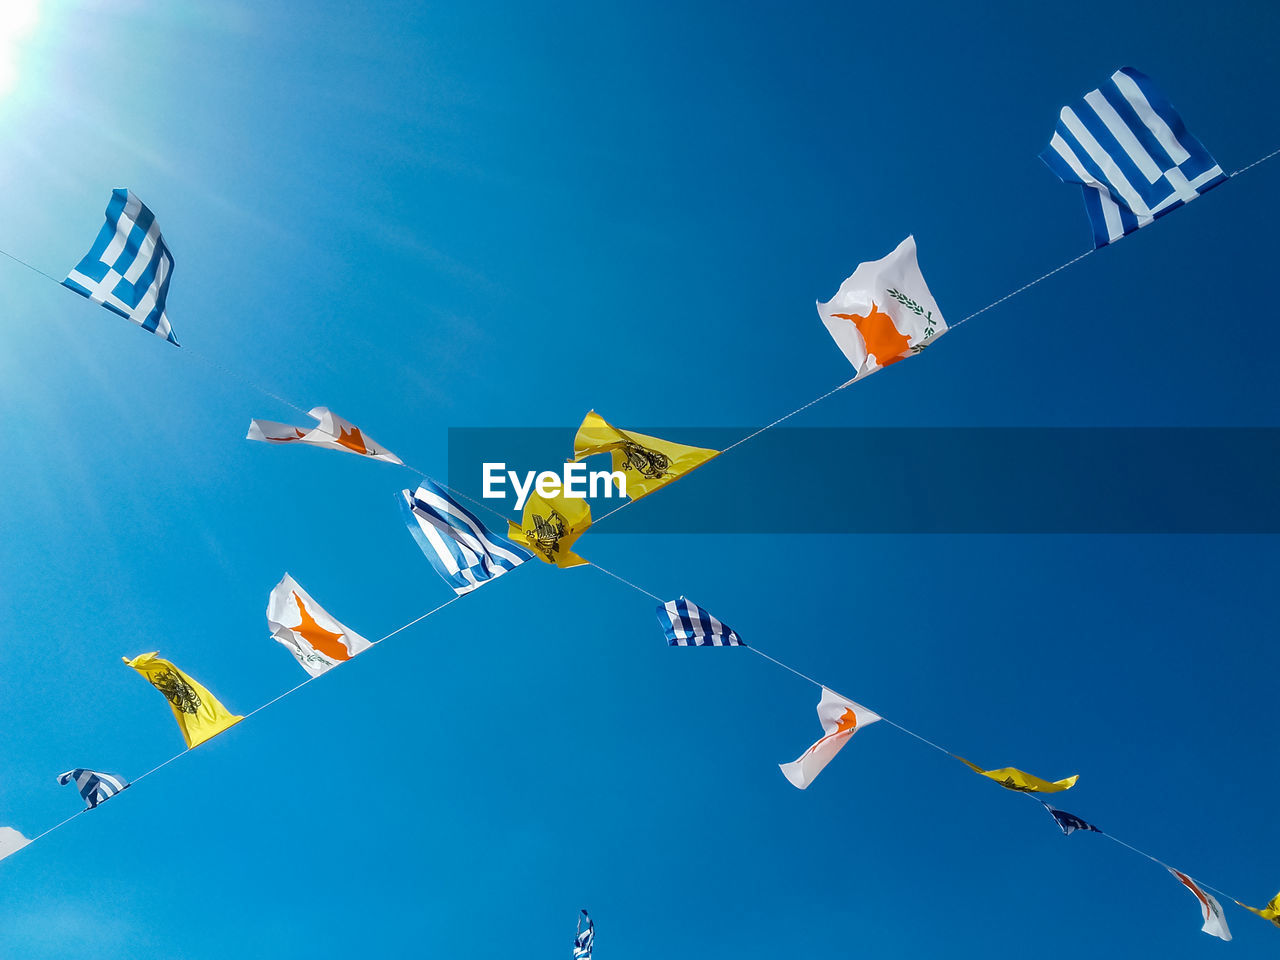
(912, 733)
(217, 366)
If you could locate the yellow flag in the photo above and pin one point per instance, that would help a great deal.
(1011, 778)
(647, 462)
(1270, 912)
(550, 526)
(198, 712)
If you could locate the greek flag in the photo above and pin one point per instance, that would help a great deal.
(93, 785)
(585, 940)
(1069, 822)
(459, 546)
(128, 269)
(1126, 146)
(687, 625)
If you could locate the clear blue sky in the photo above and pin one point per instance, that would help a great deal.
(488, 214)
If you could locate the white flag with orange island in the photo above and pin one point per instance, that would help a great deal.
(883, 312)
(331, 431)
(317, 640)
(840, 719)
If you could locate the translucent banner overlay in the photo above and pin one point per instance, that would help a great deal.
(924, 480)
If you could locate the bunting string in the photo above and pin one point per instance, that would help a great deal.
(909, 732)
(158, 323)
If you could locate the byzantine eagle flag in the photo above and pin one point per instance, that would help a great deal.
(11, 841)
(1069, 823)
(198, 712)
(584, 941)
(883, 312)
(550, 526)
(1270, 912)
(1215, 924)
(1011, 778)
(94, 785)
(647, 462)
(461, 548)
(331, 431)
(128, 268)
(1129, 150)
(687, 625)
(316, 639)
(840, 719)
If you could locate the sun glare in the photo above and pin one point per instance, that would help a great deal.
(16, 22)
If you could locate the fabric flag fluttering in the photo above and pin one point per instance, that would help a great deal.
(1129, 150)
(584, 940)
(461, 548)
(1270, 912)
(198, 712)
(1068, 822)
(841, 719)
(687, 625)
(1215, 924)
(1011, 778)
(883, 312)
(11, 841)
(646, 462)
(316, 639)
(331, 431)
(550, 526)
(128, 268)
(94, 785)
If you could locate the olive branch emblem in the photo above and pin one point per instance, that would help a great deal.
(930, 323)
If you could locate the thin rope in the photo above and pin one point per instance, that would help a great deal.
(1143, 853)
(294, 689)
(30, 267)
(1250, 167)
(911, 733)
(56, 826)
(1024, 287)
(802, 676)
(235, 375)
(610, 573)
(750, 436)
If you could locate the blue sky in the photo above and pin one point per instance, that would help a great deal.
(431, 216)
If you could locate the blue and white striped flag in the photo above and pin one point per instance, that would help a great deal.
(1127, 147)
(459, 546)
(585, 939)
(687, 625)
(1068, 822)
(128, 268)
(94, 786)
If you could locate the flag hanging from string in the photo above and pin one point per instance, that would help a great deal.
(585, 940)
(883, 312)
(316, 639)
(646, 462)
(550, 526)
(1129, 150)
(198, 712)
(94, 785)
(128, 268)
(840, 719)
(1215, 924)
(461, 548)
(331, 431)
(687, 625)
(1069, 823)
(11, 841)
(1011, 778)
(1270, 912)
